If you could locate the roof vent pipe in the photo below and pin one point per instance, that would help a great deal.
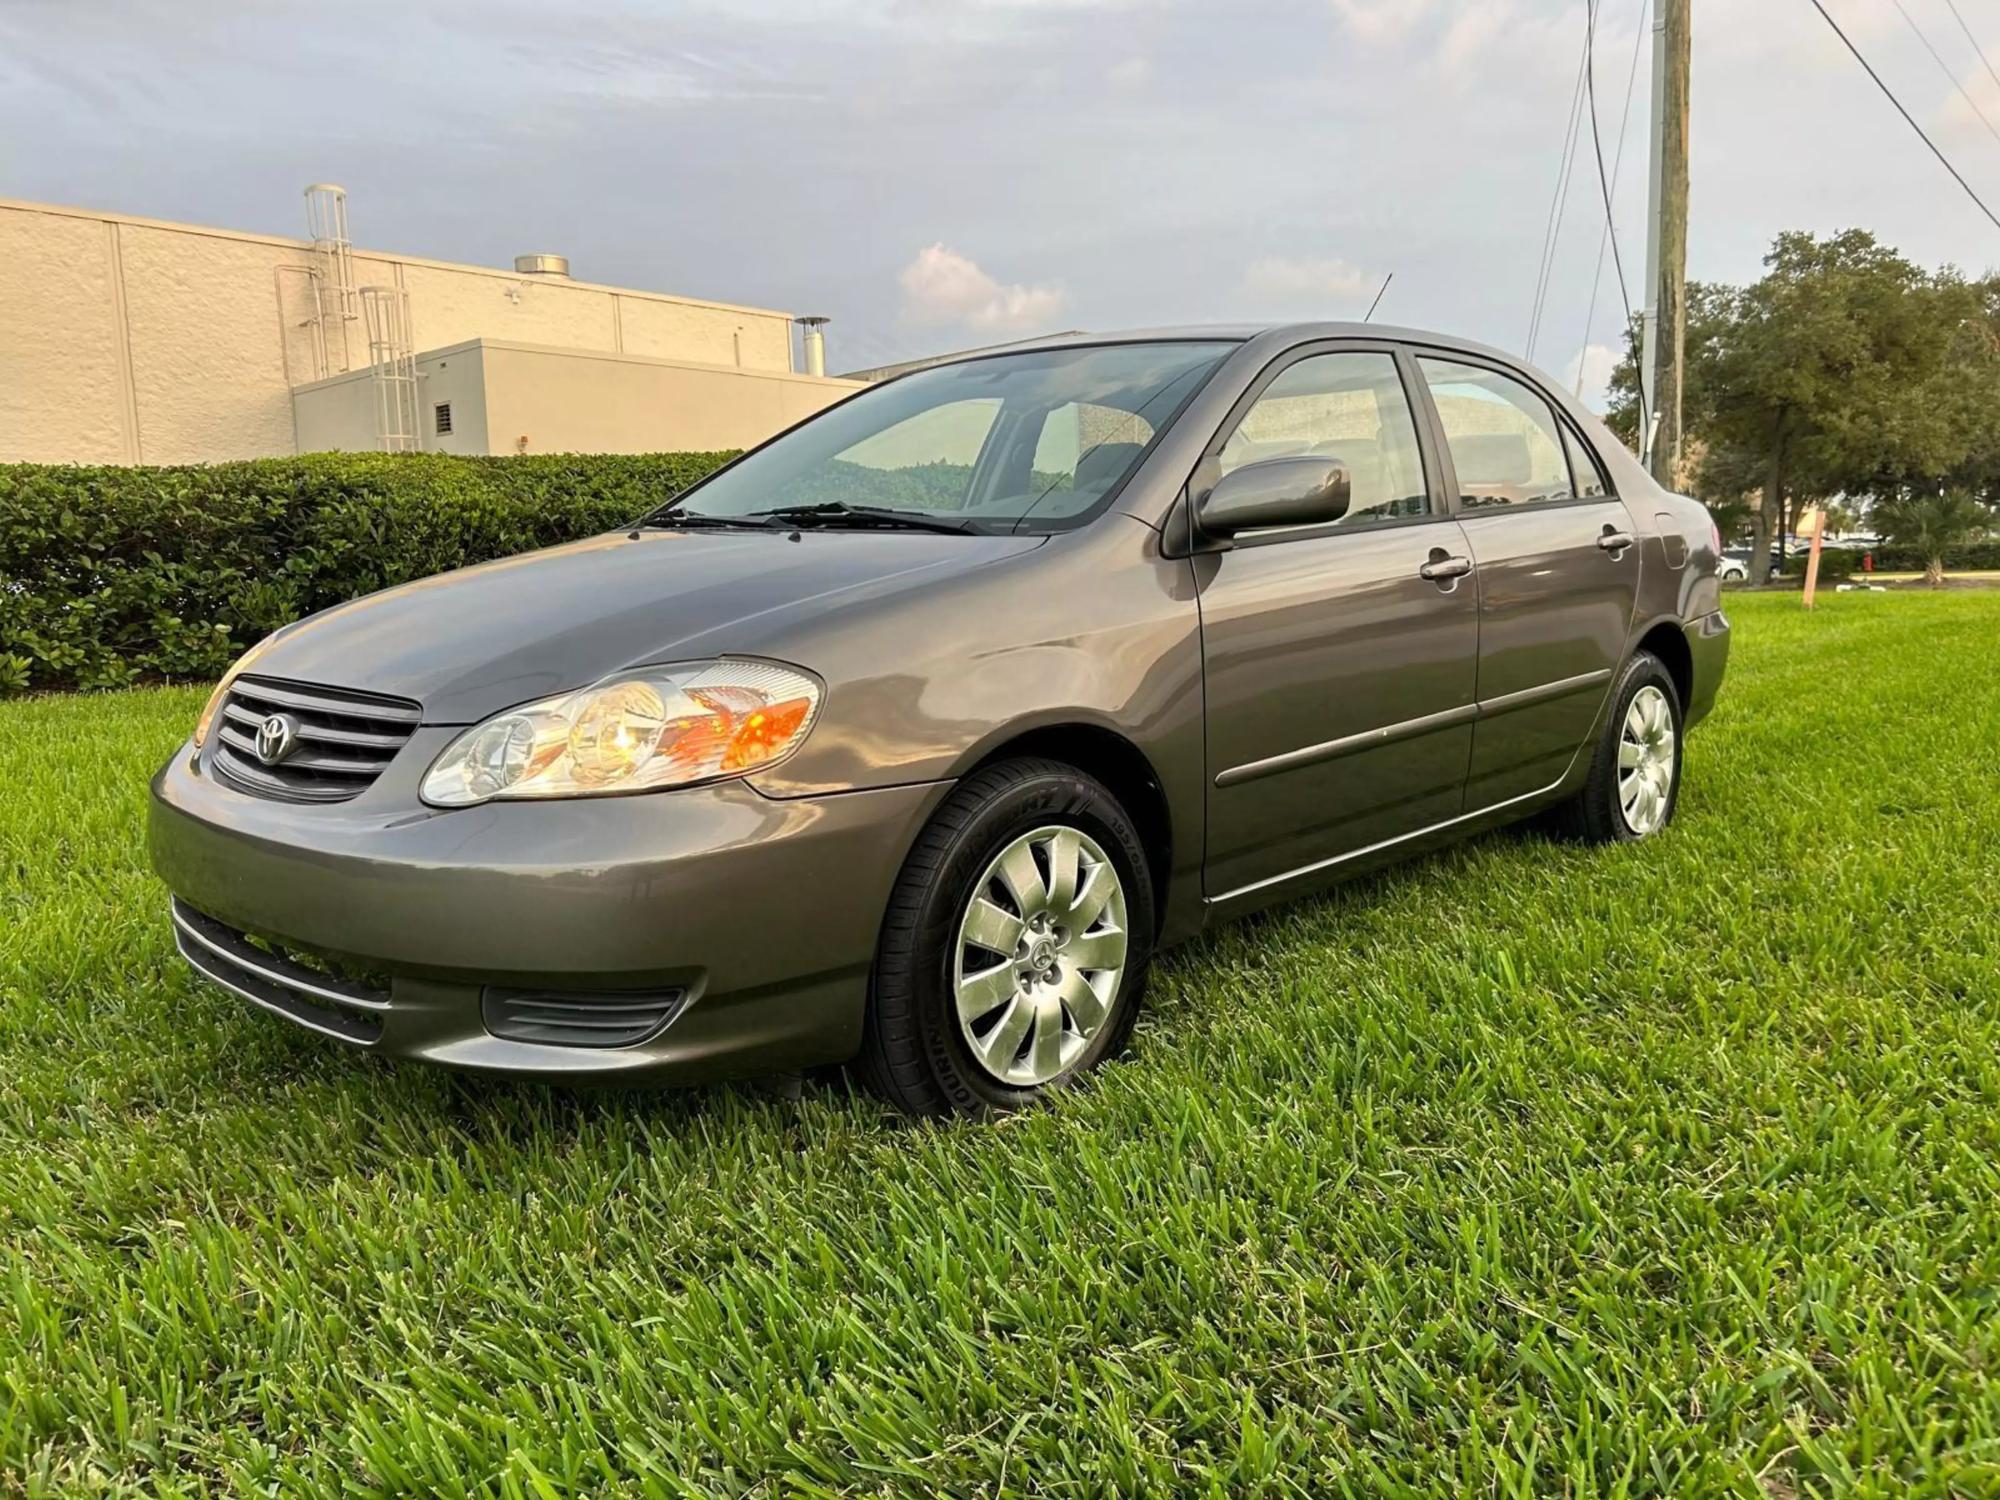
(815, 343)
(542, 265)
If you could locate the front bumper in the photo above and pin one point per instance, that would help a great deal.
(758, 915)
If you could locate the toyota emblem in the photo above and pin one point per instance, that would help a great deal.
(275, 738)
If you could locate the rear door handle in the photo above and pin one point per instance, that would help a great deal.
(1438, 569)
(1615, 541)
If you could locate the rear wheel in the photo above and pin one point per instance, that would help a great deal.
(1635, 769)
(1015, 945)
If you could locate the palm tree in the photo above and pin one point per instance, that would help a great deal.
(1933, 525)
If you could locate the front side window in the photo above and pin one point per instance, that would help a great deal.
(1034, 441)
(1349, 407)
(1503, 438)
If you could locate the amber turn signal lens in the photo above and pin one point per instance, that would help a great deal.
(764, 733)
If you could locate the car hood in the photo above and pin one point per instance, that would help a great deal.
(470, 643)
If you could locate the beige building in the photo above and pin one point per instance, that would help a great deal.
(126, 340)
(499, 396)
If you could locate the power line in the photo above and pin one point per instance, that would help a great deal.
(1543, 272)
(1604, 184)
(1617, 162)
(1908, 118)
(1975, 43)
(1945, 68)
(1557, 205)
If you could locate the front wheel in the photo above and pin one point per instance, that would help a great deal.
(1635, 769)
(1015, 945)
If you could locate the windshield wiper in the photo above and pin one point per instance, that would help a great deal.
(673, 520)
(838, 512)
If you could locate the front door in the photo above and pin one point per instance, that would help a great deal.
(1339, 659)
(1558, 574)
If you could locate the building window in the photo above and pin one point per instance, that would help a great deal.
(442, 411)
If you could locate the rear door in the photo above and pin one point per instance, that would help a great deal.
(1558, 571)
(1338, 659)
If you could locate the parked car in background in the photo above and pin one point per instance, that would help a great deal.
(911, 736)
(1734, 566)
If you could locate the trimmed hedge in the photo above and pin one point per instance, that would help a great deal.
(1890, 558)
(110, 576)
(1834, 562)
(1970, 558)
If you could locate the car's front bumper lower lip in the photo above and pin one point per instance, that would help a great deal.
(757, 915)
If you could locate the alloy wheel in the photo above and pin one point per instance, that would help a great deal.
(1646, 744)
(1040, 953)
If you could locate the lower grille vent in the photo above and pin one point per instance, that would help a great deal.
(613, 1018)
(312, 997)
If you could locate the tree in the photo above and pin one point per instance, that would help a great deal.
(1845, 370)
(1711, 315)
(1933, 525)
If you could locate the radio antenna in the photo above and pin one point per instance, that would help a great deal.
(1378, 297)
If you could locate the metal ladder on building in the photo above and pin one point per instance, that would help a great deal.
(334, 301)
(392, 367)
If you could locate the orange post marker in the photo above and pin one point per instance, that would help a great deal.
(1816, 519)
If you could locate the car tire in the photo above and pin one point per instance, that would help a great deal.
(1019, 855)
(1635, 768)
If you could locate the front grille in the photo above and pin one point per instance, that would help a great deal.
(343, 740)
(313, 998)
(615, 1018)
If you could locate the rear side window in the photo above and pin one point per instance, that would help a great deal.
(1504, 440)
(1590, 481)
(1349, 407)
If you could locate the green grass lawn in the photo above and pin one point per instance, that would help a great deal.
(1524, 1169)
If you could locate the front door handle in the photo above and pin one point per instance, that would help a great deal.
(1614, 541)
(1440, 567)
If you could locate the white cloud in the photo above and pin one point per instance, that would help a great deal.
(1531, 47)
(1471, 36)
(1131, 73)
(1794, 38)
(1379, 20)
(1594, 364)
(1304, 284)
(942, 286)
(1981, 98)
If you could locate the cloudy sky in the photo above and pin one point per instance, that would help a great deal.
(938, 173)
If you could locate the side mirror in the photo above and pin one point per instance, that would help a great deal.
(1277, 492)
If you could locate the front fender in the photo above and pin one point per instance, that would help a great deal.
(1099, 629)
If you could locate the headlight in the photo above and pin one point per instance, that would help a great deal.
(638, 731)
(214, 704)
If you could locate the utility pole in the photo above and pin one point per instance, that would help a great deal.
(1663, 326)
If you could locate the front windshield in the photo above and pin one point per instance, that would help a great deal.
(1029, 442)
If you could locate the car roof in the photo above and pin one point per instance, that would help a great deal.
(1241, 333)
(1272, 338)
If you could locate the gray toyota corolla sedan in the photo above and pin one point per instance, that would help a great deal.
(912, 735)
